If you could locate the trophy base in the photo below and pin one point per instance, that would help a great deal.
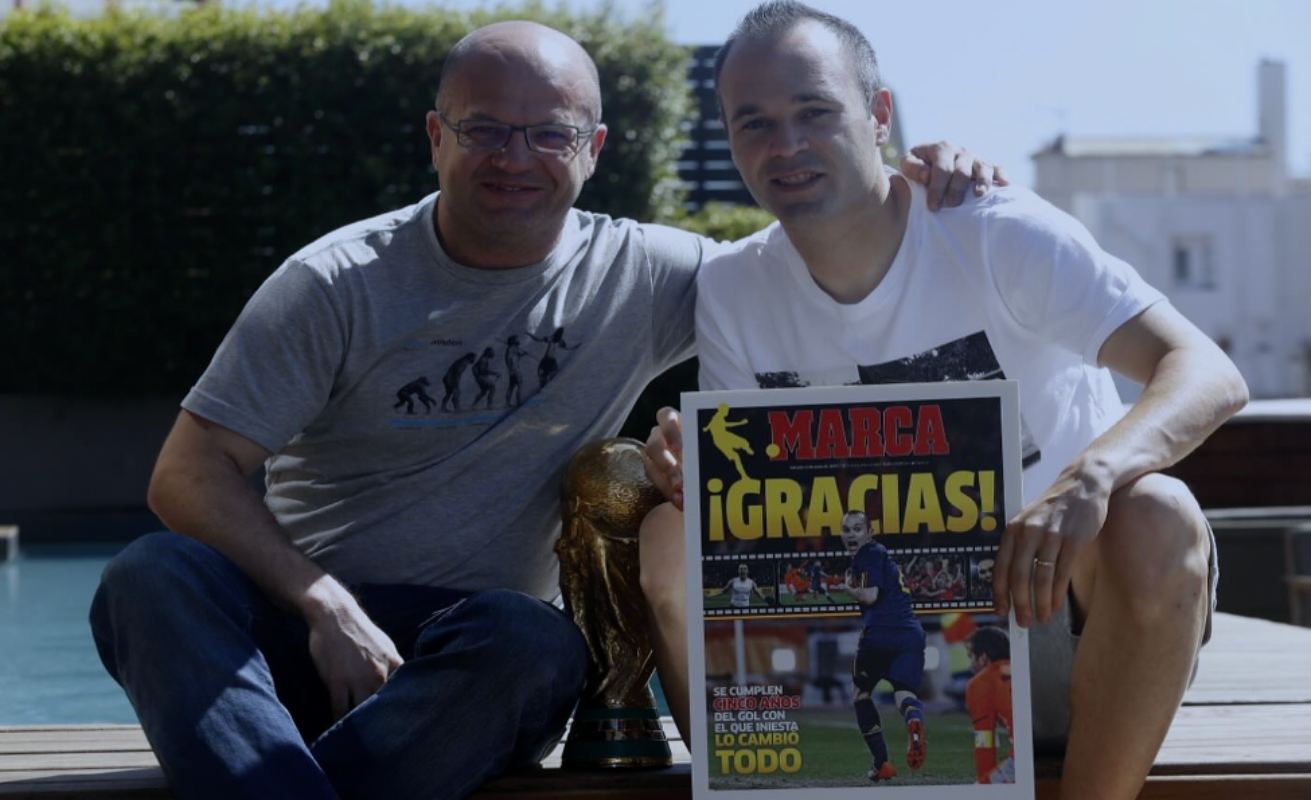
(619, 738)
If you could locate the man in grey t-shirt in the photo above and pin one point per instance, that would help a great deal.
(354, 375)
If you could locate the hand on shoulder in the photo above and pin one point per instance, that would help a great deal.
(947, 172)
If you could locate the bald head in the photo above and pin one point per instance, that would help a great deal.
(522, 45)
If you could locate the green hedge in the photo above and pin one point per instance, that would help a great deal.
(726, 222)
(153, 171)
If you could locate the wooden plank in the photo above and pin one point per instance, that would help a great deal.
(1222, 787)
(644, 784)
(62, 740)
(122, 784)
(1238, 739)
(1259, 515)
(1286, 409)
(1227, 787)
(1253, 661)
(675, 784)
(77, 761)
(1247, 716)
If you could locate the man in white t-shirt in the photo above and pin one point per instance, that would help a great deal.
(741, 588)
(856, 284)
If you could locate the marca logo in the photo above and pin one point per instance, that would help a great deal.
(862, 432)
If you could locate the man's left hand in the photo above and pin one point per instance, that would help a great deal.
(947, 171)
(1043, 542)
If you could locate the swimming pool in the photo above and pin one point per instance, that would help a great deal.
(49, 670)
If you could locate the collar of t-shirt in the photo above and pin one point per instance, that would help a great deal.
(573, 239)
(888, 290)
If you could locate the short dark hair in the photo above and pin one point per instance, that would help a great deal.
(776, 17)
(992, 642)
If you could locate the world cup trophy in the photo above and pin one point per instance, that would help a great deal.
(606, 496)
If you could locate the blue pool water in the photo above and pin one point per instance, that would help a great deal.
(49, 670)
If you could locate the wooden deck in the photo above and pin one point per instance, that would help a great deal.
(1244, 732)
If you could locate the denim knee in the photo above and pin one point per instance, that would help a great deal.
(151, 562)
(149, 581)
(529, 642)
(127, 575)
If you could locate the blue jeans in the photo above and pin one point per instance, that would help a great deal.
(233, 707)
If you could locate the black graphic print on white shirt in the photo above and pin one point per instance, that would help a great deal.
(969, 358)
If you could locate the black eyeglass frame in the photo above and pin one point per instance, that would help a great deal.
(463, 137)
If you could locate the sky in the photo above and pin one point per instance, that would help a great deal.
(1004, 77)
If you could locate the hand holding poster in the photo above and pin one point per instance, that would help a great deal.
(841, 544)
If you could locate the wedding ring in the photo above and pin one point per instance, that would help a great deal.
(1038, 562)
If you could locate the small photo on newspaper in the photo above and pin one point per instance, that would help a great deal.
(843, 634)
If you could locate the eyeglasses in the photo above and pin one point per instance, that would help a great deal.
(550, 139)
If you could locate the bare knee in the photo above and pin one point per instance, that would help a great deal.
(1154, 545)
(661, 557)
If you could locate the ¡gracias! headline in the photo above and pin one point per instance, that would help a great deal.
(964, 501)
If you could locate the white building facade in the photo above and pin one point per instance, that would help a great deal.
(1218, 225)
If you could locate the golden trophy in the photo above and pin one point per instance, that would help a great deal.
(606, 495)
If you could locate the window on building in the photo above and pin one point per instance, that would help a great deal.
(1191, 262)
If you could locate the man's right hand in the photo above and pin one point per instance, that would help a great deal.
(352, 655)
(663, 456)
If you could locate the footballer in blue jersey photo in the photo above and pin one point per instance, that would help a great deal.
(891, 647)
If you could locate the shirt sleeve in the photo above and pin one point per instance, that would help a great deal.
(891, 575)
(673, 256)
(274, 371)
(875, 567)
(857, 570)
(1056, 280)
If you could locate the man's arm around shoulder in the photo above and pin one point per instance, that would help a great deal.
(199, 488)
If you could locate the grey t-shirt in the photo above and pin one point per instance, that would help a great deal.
(421, 412)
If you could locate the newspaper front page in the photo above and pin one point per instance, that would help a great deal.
(842, 629)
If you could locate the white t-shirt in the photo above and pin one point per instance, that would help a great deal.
(740, 592)
(1004, 286)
